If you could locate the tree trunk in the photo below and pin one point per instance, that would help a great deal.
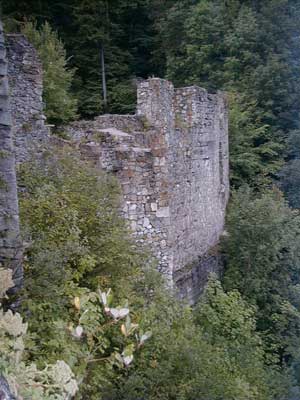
(103, 77)
(10, 241)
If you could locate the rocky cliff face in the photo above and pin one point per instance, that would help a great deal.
(171, 159)
(10, 242)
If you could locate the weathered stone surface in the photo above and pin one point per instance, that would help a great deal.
(5, 392)
(10, 242)
(191, 279)
(172, 161)
(26, 105)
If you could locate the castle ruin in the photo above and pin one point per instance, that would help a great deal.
(171, 159)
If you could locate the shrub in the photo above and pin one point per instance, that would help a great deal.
(25, 380)
(76, 242)
(190, 356)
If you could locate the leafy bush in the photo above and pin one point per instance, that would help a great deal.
(76, 242)
(94, 318)
(71, 210)
(190, 356)
(25, 380)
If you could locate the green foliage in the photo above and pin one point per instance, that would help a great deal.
(70, 210)
(109, 348)
(226, 317)
(262, 262)
(100, 24)
(247, 48)
(69, 213)
(60, 105)
(190, 356)
(25, 380)
(248, 162)
(77, 241)
(127, 30)
(85, 341)
(230, 322)
(290, 181)
(289, 175)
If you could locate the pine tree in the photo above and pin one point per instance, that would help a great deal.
(262, 261)
(106, 28)
(245, 47)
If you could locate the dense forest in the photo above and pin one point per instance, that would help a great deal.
(242, 340)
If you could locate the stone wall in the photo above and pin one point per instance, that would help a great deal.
(10, 241)
(171, 159)
(172, 162)
(127, 147)
(26, 105)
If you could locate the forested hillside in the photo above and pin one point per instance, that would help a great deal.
(242, 340)
(250, 49)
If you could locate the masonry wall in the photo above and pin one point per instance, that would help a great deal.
(26, 105)
(128, 147)
(10, 241)
(171, 159)
(194, 125)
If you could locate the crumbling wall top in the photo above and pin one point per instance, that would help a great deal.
(155, 102)
(26, 89)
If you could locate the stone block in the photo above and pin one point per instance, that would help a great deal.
(163, 212)
(153, 206)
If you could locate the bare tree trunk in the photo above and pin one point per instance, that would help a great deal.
(10, 241)
(104, 89)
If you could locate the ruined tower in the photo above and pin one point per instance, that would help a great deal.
(171, 159)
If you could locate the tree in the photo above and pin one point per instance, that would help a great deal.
(229, 321)
(290, 181)
(102, 30)
(289, 175)
(125, 31)
(250, 163)
(262, 262)
(87, 336)
(60, 105)
(243, 47)
(190, 356)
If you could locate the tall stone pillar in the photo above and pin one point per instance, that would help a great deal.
(10, 241)
(155, 102)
